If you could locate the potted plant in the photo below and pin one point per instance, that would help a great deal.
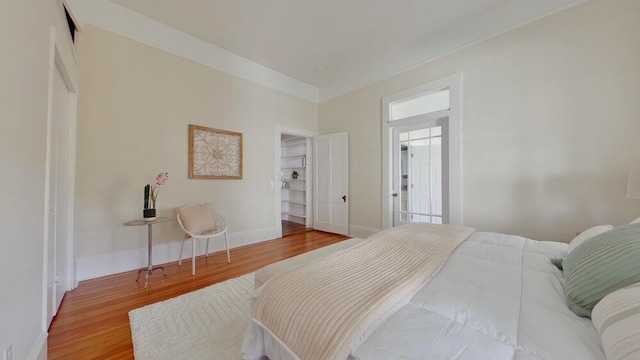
(151, 196)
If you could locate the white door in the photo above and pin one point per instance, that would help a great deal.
(57, 274)
(419, 166)
(331, 183)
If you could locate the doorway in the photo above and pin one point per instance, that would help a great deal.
(293, 180)
(311, 173)
(295, 184)
(58, 274)
(422, 154)
(421, 164)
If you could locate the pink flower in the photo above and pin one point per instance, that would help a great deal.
(161, 179)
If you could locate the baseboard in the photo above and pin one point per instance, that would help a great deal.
(361, 231)
(109, 264)
(39, 349)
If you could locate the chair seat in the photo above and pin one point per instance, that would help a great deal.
(221, 229)
(210, 234)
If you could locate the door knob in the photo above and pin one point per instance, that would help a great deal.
(394, 194)
(344, 198)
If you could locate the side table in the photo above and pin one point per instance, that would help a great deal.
(149, 269)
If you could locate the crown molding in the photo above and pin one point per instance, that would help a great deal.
(130, 24)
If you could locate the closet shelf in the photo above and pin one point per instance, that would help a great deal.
(295, 197)
(294, 144)
(294, 214)
(295, 202)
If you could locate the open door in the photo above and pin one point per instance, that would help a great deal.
(331, 183)
(59, 211)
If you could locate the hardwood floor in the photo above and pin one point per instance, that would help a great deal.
(290, 228)
(93, 323)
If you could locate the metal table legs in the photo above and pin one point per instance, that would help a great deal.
(150, 268)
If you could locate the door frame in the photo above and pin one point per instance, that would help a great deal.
(68, 69)
(454, 84)
(279, 131)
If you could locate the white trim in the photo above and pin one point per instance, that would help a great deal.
(71, 191)
(71, 81)
(38, 350)
(125, 22)
(455, 150)
(279, 130)
(68, 69)
(454, 83)
(358, 231)
(47, 179)
(109, 264)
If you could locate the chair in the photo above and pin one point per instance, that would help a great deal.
(201, 222)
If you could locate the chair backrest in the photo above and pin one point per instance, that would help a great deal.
(199, 219)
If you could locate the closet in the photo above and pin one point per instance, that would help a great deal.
(295, 184)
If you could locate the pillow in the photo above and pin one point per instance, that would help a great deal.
(617, 320)
(600, 266)
(635, 221)
(587, 234)
(197, 219)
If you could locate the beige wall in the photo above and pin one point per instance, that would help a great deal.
(24, 70)
(135, 104)
(551, 122)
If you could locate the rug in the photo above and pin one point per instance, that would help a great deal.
(204, 324)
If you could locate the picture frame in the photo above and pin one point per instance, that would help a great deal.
(214, 153)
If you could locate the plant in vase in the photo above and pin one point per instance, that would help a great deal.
(151, 196)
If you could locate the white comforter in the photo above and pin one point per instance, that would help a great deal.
(497, 297)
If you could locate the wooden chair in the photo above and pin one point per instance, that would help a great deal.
(201, 222)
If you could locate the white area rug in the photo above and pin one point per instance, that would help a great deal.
(203, 324)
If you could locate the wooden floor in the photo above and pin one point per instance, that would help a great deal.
(290, 228)
(93, 323)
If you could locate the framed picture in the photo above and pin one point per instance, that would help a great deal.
(214, 154)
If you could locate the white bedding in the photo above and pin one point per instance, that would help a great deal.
(497, 297)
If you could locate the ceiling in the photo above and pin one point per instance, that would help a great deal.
(342, 45)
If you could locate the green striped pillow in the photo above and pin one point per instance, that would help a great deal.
(600, 266)
(617, 320)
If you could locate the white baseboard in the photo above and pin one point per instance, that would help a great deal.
(361, 231)
(39, 348)
(109, 264)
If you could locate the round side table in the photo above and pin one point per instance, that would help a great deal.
(149, 269)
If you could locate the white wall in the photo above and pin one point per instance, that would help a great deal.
(551, 119)
(24, 70)
(135, 105)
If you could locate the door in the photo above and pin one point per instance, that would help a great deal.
(419, 166)
(57, 274)
(331, 183)
(436, 194)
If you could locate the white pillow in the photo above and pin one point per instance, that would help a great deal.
(617, 319)
(635, 221)
(197, 219)
(587, 234)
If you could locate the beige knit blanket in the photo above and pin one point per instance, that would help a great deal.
(319, 311)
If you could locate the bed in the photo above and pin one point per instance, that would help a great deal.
(497, 296)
